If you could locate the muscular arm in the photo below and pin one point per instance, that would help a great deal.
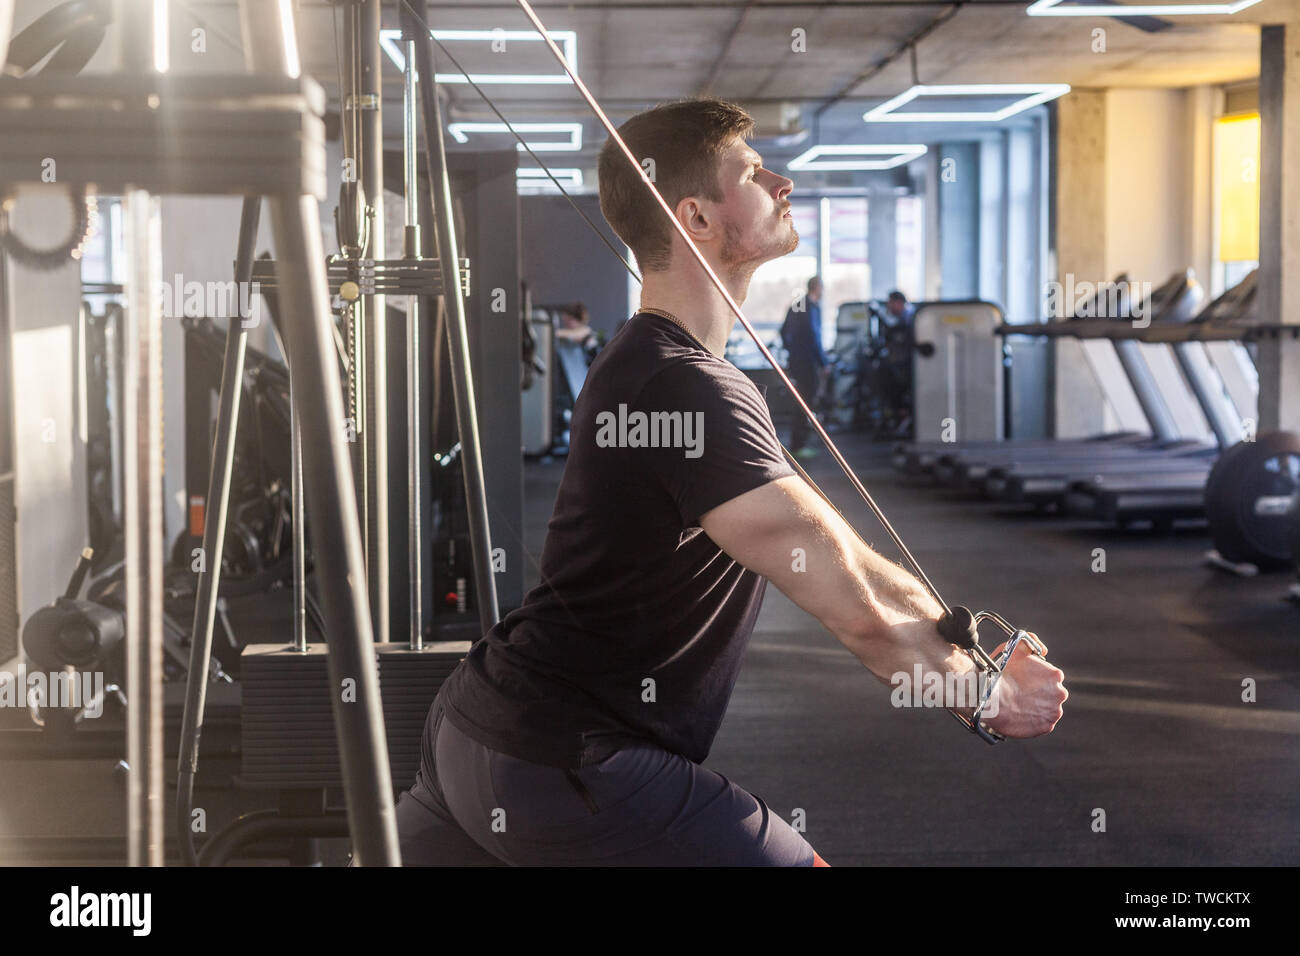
(872, 606)
(880, 612)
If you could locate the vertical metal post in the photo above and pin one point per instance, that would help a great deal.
(143, 528)
(485, 588)
(299, 511)
(370, 59)
(331, 505)
(214, 530)
(414, 422)
(142, 49)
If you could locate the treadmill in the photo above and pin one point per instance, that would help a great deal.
(1039, 475)
(936, 456)
(1175, 470)
(1165, 497)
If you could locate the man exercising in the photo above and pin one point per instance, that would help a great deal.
(574, 731)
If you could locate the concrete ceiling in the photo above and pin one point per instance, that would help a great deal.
(634, 53)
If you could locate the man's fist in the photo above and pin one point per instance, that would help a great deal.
(1029, 695)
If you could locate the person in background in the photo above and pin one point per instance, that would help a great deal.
(575, 323)
(806, 363)
(898, 306)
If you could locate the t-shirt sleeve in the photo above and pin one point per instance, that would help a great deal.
(727, 445)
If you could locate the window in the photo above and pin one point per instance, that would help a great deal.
(909, 264)
(775, 285)
(847, 275)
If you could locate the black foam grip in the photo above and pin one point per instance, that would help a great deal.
(958, 627)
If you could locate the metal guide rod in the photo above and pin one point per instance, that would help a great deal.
(370, 150)
(142, 472)
(299, 511)
(458, 335)
(270, 43)
(215, 512)
(731, 303)
(414, 425)
(143, 530)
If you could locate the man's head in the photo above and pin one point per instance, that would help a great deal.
(815, 288)
(695, 152)
(896, 304)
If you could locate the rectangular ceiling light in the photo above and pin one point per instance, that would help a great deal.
(390, 40)
(1053, 8)
(459, 132)
(887, 156)
(536, 180)
(1031, 94)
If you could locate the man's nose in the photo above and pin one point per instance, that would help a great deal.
(783, 186)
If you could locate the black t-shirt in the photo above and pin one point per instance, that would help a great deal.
(640, 621)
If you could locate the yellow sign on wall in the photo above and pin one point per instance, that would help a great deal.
(1236, 163)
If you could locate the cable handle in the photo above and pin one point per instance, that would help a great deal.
(960, 626)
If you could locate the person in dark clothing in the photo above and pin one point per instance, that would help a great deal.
(898, 307)
(575, 731)
(806, 362)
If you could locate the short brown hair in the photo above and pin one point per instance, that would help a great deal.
(684, 138)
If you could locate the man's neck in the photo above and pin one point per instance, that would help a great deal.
(686, 292)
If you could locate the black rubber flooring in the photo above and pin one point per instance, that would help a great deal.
(1155, 733)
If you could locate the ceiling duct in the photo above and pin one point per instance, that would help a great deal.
(777, 124)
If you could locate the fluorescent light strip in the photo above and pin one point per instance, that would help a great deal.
(388, 39)
(161, 37)
(894, 156)
(1035, 93)
(458, 131)
(536, 180)
(1051, 8)
(288, 31)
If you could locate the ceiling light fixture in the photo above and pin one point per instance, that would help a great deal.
(568, 39)
(890, 156)
(1052, 8)
(536, 180)
(1031, 94)
(573, 144)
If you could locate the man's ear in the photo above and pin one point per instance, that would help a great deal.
(697, 221)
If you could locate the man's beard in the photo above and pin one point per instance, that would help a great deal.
(735, 254)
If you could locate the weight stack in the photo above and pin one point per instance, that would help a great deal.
(287, 726)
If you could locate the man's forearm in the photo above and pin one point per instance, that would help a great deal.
(897, 630)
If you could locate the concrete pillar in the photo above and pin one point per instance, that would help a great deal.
(1279, 223)
(1080, 198)
(882, 242)
(959, 220)
(933, 270)
(1204, 103)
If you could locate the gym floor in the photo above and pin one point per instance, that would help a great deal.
(1155, 733)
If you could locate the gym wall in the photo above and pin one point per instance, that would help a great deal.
(563, 261)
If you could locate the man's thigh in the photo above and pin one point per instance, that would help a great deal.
(641, 807)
